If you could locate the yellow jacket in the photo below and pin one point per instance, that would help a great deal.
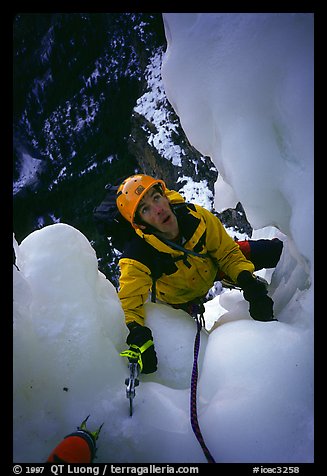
(204, 234)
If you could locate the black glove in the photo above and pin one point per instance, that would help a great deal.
(138, 336)
(255, 292)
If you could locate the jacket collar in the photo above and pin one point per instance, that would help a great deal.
(190, 224)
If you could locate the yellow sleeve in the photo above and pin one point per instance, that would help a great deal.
(223, 248)
(135, 283)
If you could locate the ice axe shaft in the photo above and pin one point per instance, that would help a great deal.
(131, 383)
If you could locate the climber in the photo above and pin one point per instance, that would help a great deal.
(196, 251)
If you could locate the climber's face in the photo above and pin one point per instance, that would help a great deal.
(155, 210)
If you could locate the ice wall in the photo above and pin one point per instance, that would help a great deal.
(242, 85)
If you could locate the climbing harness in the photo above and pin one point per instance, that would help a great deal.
(197, 314)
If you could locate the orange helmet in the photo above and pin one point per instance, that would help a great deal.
(131, 192)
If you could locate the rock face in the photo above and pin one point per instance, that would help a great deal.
(153, 163)
(149, 159)
(81, 83)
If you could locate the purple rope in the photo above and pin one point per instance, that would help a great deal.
(194, 381)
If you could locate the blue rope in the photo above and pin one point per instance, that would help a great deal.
(194, 418)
